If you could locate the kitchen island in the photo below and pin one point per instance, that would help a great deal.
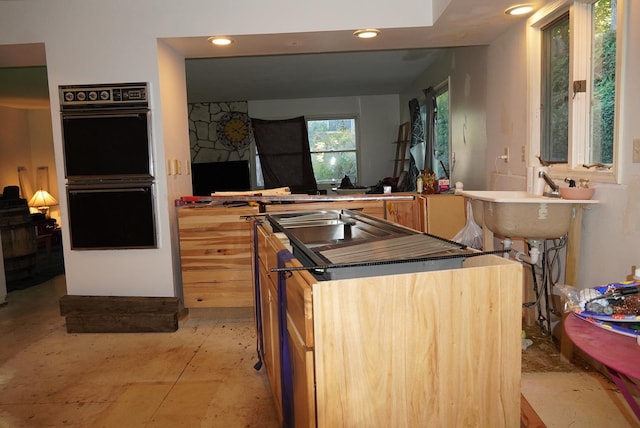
(423, 348)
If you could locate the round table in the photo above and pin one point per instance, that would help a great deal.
(618, 353)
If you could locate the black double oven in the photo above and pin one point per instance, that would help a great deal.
(108, 166)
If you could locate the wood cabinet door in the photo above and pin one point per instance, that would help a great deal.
(270, 337)
(411, 214)
(301, 360)
(446, 215)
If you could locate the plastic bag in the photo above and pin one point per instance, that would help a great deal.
(471, 234)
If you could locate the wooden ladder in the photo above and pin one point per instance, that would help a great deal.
(401, 143)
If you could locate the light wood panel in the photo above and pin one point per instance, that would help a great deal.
(446, 215)
(427, 349)
(411, 214)
(215, 256)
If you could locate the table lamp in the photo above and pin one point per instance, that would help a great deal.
(42, 200)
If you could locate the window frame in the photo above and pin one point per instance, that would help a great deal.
(579, 106)
(430, 132)
(440, 89)
(356, 120)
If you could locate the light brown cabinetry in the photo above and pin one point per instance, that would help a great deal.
(215, 256)
(439, 348)
(446, 215)
(268, 293)
(216, 245)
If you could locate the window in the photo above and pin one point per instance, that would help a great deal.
(438, 133)
(333, 149)
(574, 88)
(441, 140)
(555, 98)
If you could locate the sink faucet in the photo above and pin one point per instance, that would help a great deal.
(555, 193)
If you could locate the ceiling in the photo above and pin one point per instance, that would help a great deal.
(293, 65)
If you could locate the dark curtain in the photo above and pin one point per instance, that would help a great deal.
(431, 108)
(416, 146)
(285, 157)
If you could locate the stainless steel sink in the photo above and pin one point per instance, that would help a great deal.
(339, 244)
(330, 227)
(328, 234)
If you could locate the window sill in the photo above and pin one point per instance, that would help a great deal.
(561, 171)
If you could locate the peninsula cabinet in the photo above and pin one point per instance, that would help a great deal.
(216, 245)
(425, 349)
(215, 256)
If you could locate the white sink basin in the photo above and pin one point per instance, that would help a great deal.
(518, 214)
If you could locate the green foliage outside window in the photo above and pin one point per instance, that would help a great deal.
(604, 82)
(441, 143)
(556, 98)
(333, 149)
(557, 90)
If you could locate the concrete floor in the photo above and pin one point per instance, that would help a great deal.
(200, 376)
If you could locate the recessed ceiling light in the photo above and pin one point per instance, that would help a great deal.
(368, 33)
(521, 9)
(220, 41)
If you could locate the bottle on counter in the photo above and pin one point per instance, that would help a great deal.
(419, 184)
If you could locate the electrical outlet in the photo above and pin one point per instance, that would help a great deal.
(506, 155)
(522, 153)
(636, 151)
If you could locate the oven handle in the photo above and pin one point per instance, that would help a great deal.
(99, 115)
(110, 190)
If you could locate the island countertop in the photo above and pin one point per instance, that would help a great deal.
(293, 198)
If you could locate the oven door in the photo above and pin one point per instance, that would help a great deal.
(107, 144)
(111, 216)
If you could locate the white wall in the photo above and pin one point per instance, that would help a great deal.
(611, 230)
(467, 73)
(378, 118)
(174, 143)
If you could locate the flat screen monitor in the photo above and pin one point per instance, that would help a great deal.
(210, 177)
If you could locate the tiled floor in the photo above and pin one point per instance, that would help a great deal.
(200, 376)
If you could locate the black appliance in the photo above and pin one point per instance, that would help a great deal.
(111, 216)
(106, 131)
(208, 177)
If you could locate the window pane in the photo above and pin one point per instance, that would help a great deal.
(604, 77)
(332, 167)
(333, 149)
(333, 134)
(555, 96)
(441, 148)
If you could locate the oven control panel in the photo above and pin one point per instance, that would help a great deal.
(105, 95)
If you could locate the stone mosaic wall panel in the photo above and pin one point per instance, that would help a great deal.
(208, 142)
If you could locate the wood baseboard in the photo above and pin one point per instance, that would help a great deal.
(119, 314)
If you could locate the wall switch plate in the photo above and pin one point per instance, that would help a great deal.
(636, 151)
